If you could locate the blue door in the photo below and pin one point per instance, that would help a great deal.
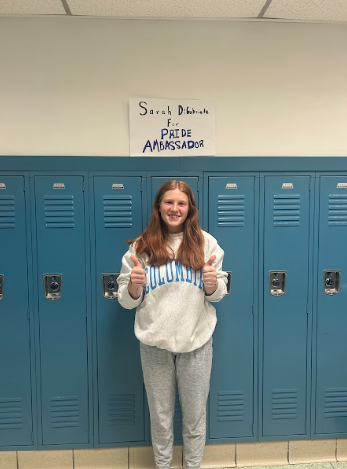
(118, 216)
(285, 330)
(331, 324)
(15, 380)
(231, 222)
(61, 255)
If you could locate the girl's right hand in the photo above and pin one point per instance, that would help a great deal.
(137, 279)
(138, 274)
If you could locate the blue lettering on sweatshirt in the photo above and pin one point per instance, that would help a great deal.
(158, 277)
(179, 270)
(147, 289)
(169, 279)
(153, 280)
(161, 280)
(189, 274)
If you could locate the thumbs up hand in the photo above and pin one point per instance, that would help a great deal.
(137, 278)
(209, 275)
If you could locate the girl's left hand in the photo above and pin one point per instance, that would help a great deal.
(209, 273)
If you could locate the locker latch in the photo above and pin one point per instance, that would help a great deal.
(110, 285)
(332, 282)
(229, 273)
(52, 284)
(2, 283)
(277, 282)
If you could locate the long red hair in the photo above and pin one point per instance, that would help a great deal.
(153, 240)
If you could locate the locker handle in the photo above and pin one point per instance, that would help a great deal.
(277, 282)
(52, 286)
(229, 275)
(110, 285)
(2, 284)
(331, 282)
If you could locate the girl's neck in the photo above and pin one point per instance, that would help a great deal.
(176, 235)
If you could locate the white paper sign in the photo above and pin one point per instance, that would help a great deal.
(167, 127)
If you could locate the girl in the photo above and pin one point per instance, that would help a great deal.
(172, 273)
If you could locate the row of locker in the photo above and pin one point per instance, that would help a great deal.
(69, 361)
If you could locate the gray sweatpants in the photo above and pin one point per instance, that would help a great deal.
(191, 371)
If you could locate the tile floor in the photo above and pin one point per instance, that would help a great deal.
(309, 454)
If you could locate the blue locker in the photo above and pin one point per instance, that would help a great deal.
(61, 251)
(118, 216)
(16, 424)
(231, 218)
(285, 316)
(331, 325)
(194, 184)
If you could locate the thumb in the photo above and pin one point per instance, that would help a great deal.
(211, 260)
(135, 261)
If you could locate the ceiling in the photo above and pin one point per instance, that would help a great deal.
(288, 10)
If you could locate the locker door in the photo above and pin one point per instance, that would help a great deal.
(231, 222)
(118, 216)
(61, 250)
(15, 381)
(331, 354)
(286, 248)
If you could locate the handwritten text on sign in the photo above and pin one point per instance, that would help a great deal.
(161, 127)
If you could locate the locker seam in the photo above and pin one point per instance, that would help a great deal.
(288, 452)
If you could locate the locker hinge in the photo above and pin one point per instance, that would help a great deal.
(253, 310)
(307, 308)
(83, 185)
(28, 314)
(253, 428)
(32, 437)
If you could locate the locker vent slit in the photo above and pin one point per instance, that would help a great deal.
(230, 406)
(286, 210)
(118, 211)
(335, 402)
(284, 404)
(121, 409)
(337, 210)
(7, 212)
(11, 413)
(59, 211)
(64, 412)
(231, 210)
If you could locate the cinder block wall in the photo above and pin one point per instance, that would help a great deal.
(221, 455)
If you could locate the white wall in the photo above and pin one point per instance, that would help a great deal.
(279, 88)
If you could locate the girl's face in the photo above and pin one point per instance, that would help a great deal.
(173, 208)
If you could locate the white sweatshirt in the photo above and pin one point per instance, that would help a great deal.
(173, 313)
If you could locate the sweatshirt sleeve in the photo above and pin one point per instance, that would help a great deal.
(212, 248)
(124, 297)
